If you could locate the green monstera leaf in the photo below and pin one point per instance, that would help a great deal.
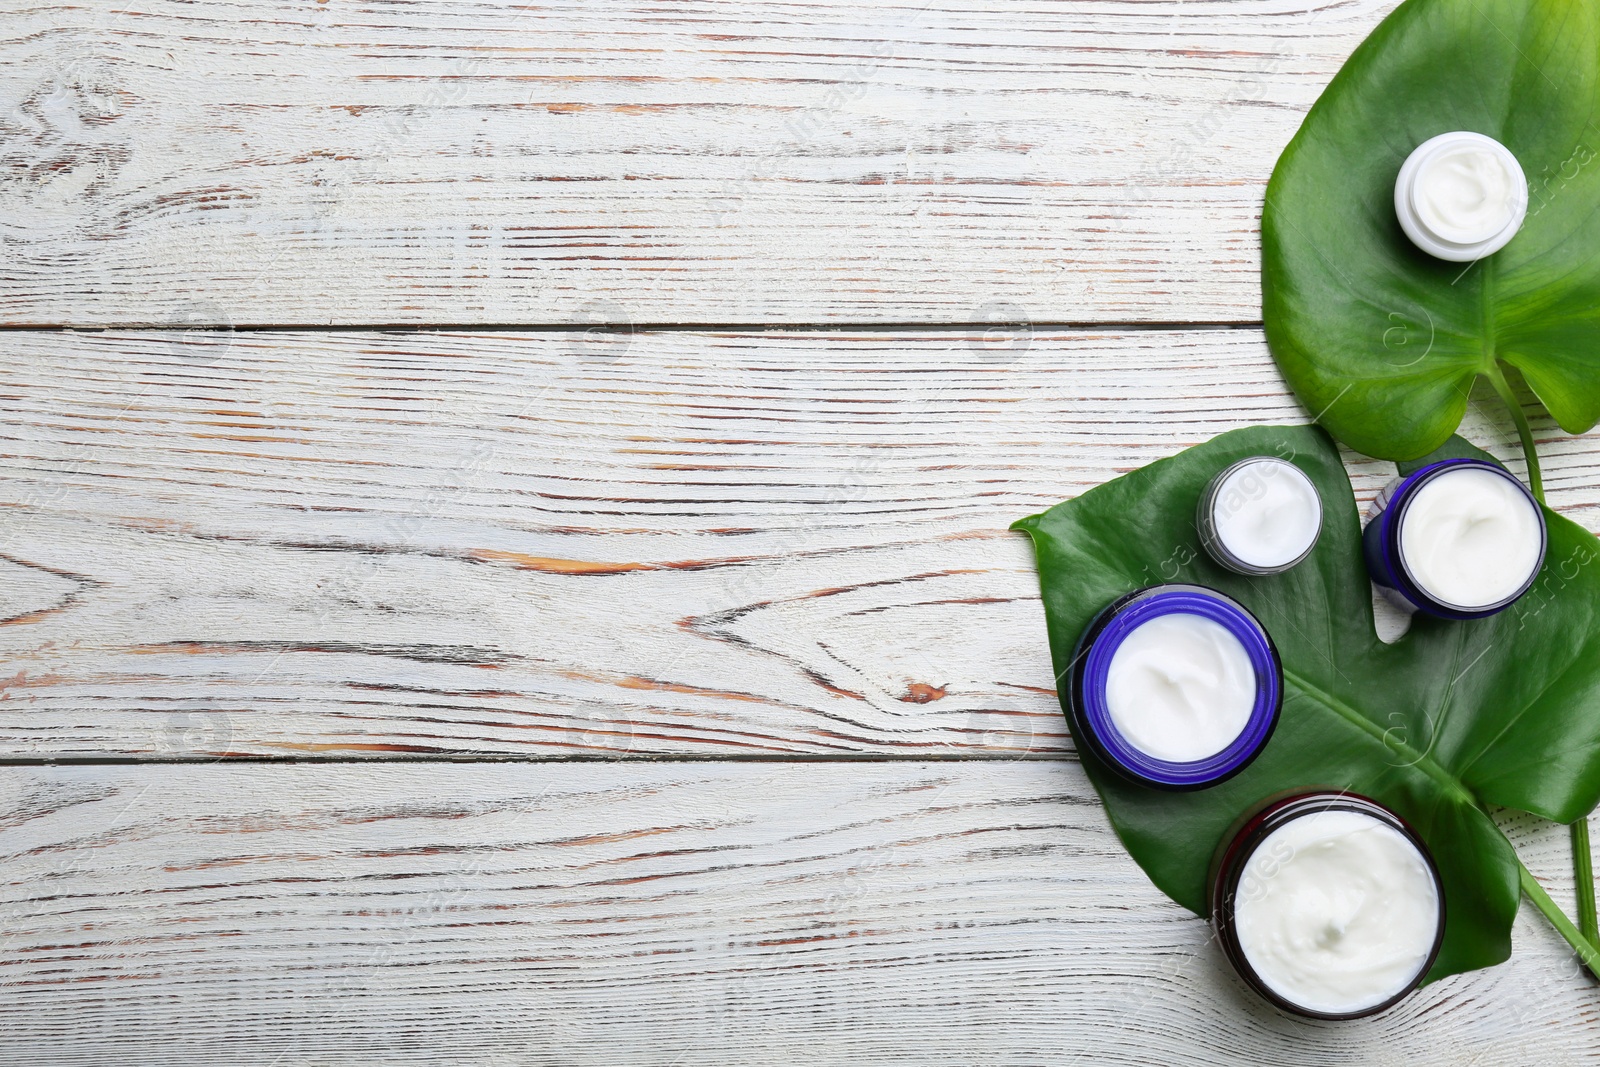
(1382, 341)
(1451, 718)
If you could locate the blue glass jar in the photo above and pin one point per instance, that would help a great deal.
(1405, 580)
(1219, 620)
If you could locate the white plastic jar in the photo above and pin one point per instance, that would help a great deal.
(1461, 196)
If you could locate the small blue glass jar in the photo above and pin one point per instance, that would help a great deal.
(1382, 542)
(1089, 710)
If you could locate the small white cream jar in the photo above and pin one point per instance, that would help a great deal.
(1461, 196)
(1262, 515)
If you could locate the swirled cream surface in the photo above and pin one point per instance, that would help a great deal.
(1336, 911)
(1466, 193)
(1470, 538)
(1267, 513)
(1180, 687)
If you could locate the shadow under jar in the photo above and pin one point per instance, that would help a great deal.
(1328, 905)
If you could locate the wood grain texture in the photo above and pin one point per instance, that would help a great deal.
(606, 544)
(573, 544)
(608, 914)
(390, 161)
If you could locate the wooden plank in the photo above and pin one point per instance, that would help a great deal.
(950, 913)
(724, 544)
(496, 161)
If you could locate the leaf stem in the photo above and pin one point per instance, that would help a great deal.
(1541, 900)
(1582, 854)
(1583, 871)
(1497, 378)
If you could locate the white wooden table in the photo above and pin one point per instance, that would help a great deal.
(504, 508)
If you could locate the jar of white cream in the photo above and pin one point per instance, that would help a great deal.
(1262, 515)
(1174, 686)
(1460, 539)
(1328, 905)
(1461, 196)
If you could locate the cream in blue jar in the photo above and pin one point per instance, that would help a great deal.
(1460, 539)
(1175, 687)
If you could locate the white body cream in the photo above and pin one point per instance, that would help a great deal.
(1469, 538)
(1261, 516)
(1180, 687)
(1337, 912)
(1461, 196)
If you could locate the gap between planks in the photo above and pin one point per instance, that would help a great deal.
(647, 327)
(447, 757)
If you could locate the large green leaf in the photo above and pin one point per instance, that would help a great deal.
(1453, 717)
(1379, 339)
